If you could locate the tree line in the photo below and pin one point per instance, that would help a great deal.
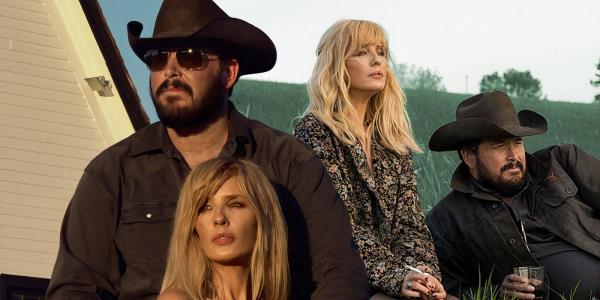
(518, 84)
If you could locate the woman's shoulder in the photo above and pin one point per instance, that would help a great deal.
(309, 119)
(173, 294)
(310, 126)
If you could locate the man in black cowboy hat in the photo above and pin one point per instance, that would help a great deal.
(509, 208)
(116, 230)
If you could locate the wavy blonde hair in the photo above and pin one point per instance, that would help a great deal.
(329, 88)
(189, 269)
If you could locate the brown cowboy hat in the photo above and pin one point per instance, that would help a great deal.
(486, 115)
(198, 23)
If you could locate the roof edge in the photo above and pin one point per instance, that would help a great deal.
(115, 63)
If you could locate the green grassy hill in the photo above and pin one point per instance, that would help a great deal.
(277, 104)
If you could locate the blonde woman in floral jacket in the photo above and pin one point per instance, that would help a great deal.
(357, 125)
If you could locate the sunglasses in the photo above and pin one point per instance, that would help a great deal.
(189, 59)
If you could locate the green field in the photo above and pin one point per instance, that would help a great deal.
(277, 104)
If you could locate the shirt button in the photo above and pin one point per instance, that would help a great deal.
(512, 241)
(568, 190)
(148, 215)
(494, 206)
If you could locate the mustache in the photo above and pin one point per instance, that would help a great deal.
(175, 83)
(512, 164)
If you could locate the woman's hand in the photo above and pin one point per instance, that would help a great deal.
(422, 285)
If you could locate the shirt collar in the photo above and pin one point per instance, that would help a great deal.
(152, 138)
(240, 142)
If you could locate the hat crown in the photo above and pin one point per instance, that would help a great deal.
(486, 115)
(201, 23)
(495, 107)
(181, 18)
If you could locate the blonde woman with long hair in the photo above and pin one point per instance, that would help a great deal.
(356, 122)
(229, 236)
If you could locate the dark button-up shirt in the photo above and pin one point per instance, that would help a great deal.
(116, 230)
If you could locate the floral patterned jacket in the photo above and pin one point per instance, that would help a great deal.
(387, 219)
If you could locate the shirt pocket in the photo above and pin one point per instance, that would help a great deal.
(147, 231)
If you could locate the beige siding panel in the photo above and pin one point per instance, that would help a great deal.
(31, 256)
(38, 180)
(25, 81)
(32, 59)
(32, 38)
(26, 5)
(37, 71)
(27, 26)
(21, 14)
(39, 50)
(46, 105)
(25, 269)
(48, 131)
(43, 158)
(33, 190)
(49, 140)
(39, 93)
(27, 167)
(26, 244)
(77, 143)
(27, 223)
(34, 213)
(46, 142)
(51, 127)
(5, 43)
(30, 234)
(41, 115)
(31, 201)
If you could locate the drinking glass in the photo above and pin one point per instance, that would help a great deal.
(535, 275)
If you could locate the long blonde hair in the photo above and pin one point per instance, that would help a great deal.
(188, 268)
(329, 87)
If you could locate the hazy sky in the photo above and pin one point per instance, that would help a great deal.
(558, 41)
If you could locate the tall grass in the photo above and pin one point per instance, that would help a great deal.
(278, 104)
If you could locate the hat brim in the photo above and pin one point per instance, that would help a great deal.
(253, 49)
(454, 134)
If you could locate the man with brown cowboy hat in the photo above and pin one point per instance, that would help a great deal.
(117, 227)
(509, 208)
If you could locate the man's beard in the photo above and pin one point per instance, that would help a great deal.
(203, 111)
(505, 187)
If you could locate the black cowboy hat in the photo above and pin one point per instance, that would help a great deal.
(197, 23)
(486, 115)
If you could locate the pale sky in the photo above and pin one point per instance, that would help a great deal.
(558, 41)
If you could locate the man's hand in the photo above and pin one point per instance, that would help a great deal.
(517, 287)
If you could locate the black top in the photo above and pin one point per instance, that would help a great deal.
(116, 230)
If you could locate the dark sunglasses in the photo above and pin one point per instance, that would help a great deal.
(188, 59)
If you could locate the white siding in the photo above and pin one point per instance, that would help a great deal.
(51, 126)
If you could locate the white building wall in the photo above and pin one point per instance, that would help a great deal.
(51, 125)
